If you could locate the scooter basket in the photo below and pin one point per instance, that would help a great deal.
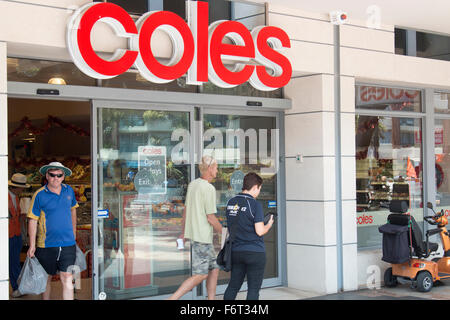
(395, 243)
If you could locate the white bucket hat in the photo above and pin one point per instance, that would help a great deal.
(18, 180)
(55, 165)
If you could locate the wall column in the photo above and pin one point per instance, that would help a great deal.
(312, 262)
(310, 185)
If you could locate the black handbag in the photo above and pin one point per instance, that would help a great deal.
(224, 256)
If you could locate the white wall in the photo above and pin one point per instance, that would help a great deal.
(4, 242)
(367, 55)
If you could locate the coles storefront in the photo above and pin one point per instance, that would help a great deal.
(133, 118)
(130, 95)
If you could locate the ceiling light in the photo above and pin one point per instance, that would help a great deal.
(57, 80)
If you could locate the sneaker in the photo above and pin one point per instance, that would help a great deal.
(16, 294)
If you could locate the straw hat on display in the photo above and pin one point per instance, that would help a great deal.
(18, 180)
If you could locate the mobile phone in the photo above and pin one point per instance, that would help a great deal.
(267, 217)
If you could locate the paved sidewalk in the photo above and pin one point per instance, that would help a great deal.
(440, 291)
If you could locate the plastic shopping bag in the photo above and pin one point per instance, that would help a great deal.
(32, 278)
(80, 261)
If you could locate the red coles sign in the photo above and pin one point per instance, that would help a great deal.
(198, 48)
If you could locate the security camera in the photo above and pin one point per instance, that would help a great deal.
(338, 17)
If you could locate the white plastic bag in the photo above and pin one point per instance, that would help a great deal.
(80, 261)
(32, 278)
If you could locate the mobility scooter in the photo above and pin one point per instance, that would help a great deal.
(402, 231)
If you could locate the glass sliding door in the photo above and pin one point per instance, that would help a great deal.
(241, 144)
(143, 169)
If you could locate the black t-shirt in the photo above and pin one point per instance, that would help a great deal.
(244, 210)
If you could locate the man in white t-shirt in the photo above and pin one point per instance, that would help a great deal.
(200, 221)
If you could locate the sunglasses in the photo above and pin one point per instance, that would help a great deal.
(59, 175)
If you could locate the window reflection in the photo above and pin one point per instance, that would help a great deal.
(442, 154)
(41, 71)
(143, 183)
(233, 140)
(250, 14)
(441, 102)
(388, 168)
(388, 99)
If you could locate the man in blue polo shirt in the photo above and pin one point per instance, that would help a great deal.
(53, 218)
(245, 221)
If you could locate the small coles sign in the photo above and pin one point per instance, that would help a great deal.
(198, 48)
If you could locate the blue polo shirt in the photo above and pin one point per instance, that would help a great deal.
(244, 210)
(54, 216)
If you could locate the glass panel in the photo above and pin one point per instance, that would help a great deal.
(142, 185)
(133, 80)
(134, 7)
(433, 46)
(388, 99)
(255, 151)
(41, 71)
(388, 168)
(442, 152)
(400, 41)
(244, 89)
(251, 15)
(441, 102)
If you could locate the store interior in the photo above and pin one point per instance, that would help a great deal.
(41, 131)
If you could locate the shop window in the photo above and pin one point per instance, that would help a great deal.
(400, 41)
(136, 7)
(441, 102)
(244, 89)
(388, 169)
(133, 80)
(433, 46)
(424, 44)
(251, 15)
(218, 9)
(388, 99)
(41, 71)
(442, 154)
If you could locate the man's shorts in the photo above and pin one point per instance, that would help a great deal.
(203, 258)
(56, 258)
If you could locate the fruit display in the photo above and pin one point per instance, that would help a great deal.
(80, 193)
(167, 224)
(120, 186)
(81, 169)
(79, 173)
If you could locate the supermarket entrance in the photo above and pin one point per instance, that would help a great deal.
(147, 154)
(137, 216)
(41, 131)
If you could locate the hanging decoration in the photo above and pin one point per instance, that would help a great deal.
(51, 121)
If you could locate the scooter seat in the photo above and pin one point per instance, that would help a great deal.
(432, 246)
(422, 253)
(418, 244)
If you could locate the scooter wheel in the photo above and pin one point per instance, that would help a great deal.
(424, 281)
(389, 279)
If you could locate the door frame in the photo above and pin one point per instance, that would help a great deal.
(207, 103)
(96, 182)
(276, 281)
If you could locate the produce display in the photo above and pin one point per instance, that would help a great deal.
(81, 169)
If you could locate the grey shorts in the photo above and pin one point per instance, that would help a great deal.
(203, 258)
